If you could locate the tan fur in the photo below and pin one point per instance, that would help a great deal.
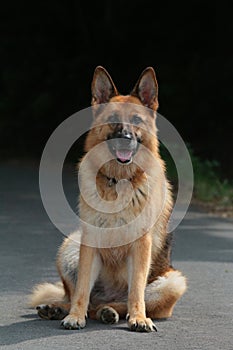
(123, 262)
(47, 293)
(160, 297)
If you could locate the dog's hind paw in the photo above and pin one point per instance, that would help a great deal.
(108, 315)
(50, 312)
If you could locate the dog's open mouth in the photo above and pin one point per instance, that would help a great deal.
(124, 156)
(123, 149)
(122, 153)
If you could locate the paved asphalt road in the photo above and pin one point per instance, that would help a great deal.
(203, 250)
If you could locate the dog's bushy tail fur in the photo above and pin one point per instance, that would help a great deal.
(47, 293)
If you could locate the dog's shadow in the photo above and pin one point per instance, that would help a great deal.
(36, 328)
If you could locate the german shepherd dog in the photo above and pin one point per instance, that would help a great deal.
(122, 266)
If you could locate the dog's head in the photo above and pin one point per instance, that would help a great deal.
(123, 121)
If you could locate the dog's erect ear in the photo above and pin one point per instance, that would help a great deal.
(102, 86)
(146, 88)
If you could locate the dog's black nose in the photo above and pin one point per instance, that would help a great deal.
(125, 134)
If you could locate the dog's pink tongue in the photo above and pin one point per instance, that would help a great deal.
(124, 155)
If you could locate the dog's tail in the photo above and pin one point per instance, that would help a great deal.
(47, 293)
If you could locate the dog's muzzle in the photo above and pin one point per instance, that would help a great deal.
(123, 145)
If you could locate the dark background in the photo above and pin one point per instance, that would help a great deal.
(49, 51)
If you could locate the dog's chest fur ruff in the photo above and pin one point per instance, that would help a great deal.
(135, 216)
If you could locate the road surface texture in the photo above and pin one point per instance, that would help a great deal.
(203, 250)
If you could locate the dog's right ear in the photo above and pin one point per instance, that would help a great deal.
(102, 86)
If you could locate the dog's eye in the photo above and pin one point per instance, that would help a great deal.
(136, 119)
(113, 119)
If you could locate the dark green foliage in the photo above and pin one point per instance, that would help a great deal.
(209, 184)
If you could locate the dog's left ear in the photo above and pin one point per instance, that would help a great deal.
(102, 86)
(146, 89)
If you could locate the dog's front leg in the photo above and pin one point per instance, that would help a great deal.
(138, 269)
(88, 270)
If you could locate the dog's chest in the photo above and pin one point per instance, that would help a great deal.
(116, 215)
(122, 198)
(114, 256)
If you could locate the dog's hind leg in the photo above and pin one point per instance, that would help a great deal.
(109, 313)
(160, 297)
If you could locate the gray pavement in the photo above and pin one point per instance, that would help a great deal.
(203, 250)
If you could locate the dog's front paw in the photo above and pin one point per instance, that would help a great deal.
(140, 324)
(73, 322)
